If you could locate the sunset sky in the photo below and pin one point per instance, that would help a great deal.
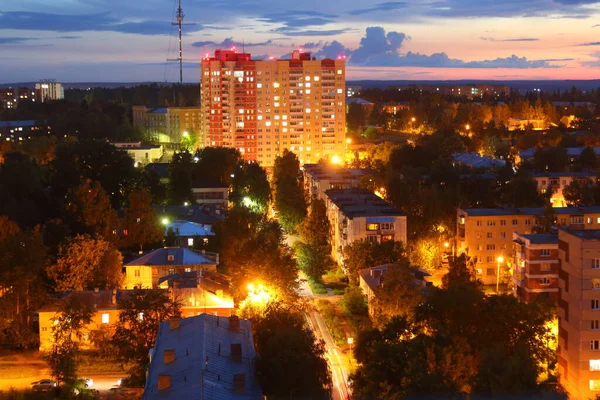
(116, 40)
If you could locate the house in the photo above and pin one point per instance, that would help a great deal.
(142, 154)
(475, 160)
(535, 266)
(203, 357)
(366, 106)
(188, 234)
(557, 181)
(204, 214)
(319, 178)
(356, 214)
(146, 271)
(394, 107)
(206, 192)
(572, 152)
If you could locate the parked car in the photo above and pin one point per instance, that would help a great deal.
(43, 385)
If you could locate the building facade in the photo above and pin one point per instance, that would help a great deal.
(485, 234)
(142, 154)
(262, 108)
(535, 266)
(357, 214)
(49, 90)
(167, 125)
(319, 178)
(557, 181)
(579, 313)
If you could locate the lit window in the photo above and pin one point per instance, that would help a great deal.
(595, 284)
(268, 123)
(594, 384)
(307, 110)
(307, 85)
(307, 77)
(259, 85)
(340, 91)
(372, 227)
(594, 365)
(339, 71)
(275, 85)
(105, 318)
(141, 316)
(190, 242)
(316, 78)
(545, 252)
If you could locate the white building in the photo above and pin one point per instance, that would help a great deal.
(141, 154)
(319, 178)
(50, 90)
(557, 181)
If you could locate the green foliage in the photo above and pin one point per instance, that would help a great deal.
(354, 302)
(288, 193)
(250, 188)
(579, 193)
(86, 263)
(291, 362)
(135, 336)
(333, 321)
(366, 254)
(522, 191)
(217, 164)
(313, 252)
(189, 140)
(180, 178)
(140, 221)
(317, 287)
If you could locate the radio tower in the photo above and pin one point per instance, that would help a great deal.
(179, 23)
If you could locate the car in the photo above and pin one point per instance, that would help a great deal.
(43, 385)
(88, 382)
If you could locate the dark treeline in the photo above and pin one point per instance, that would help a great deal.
(154, 94)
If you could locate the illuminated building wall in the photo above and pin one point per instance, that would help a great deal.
(264, 107)
(167, 124)
(49, 90)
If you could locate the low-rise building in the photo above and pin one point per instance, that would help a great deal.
(557, 181)
(146, 271)
(167, 125)
(475, 160)
(319, 178)
(204, 357)
(535, 266)
(485, 234)
(188, 234)
(141, 153)
(579, 313)
(394, 107)
(366, 106)
(521, 124)
(357, 214)
(572, 152)
(21, 130)
(206, 192)
(204, 214)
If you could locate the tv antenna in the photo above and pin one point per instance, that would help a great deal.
(179, 23)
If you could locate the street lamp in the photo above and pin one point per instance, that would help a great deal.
(468, 126)
(258, 294)
(348, 141)
(186, 133)
(165, 221)
(500, 260)
(336, 160)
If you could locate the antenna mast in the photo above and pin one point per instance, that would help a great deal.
(179, 23)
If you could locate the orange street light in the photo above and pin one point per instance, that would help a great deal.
(500, 260)
(348, 141)
(336, 160)
(468, 126)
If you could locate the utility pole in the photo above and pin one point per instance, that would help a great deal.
(179, 23)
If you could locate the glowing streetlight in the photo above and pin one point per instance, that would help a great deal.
(413, 119)
(165, 221)
(336, 160)
(258, 294)
(500, 260)
(185, 203)
(186, 133)
(348, 141)
(446, 245)
(468, 126)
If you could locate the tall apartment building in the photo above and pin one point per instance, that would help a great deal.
(357, 214)
(11, 97)
(49, 89)
(535, 266)
(167, 124)
(263, 107)
(486, 234)
(579, 313)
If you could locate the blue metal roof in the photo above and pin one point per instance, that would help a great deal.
(12, 124)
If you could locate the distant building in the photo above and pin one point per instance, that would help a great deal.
(366, 106)
(262, 107)
(475, 160)
(167, 125)
(535, 266)
(146, 271)
(205, 214)
(353, 90)
(521, 124)
(572, 152)
(21, 130)
(557, 181)
(49, 89)
(469, 91)
(394, 107)
(357, 214)
(189, 234)
(204, 357)
(206, 192)
(141, 153)
(579, 313)
(319, 178)
(11, 97)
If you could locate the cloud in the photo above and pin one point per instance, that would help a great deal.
(490, 39)
(492, 8)
(333, 50)
(388, 6)
(593, 63)
(312, 32)
(311, 45)
(229, 42)
(377, 46)
(14, 40)
(68, 37)
(36, 21)
(596, 26)
(590, 44)
(292, 20)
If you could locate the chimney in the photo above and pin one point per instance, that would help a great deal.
(236, 352)
(168, 356)
(113, 299)
(174, 323)
(234, 323)
(239, 383)
(96, 290)
(164, 382)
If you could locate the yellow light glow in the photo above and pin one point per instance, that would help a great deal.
(413, 119)
(348, 140)
(468, 126)
(500, 259)
(336, 160)
(446, 245)
(165, 221)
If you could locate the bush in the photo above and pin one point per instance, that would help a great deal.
(332, 320)
(317, 287)
(354, 302)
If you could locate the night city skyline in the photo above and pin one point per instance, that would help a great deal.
(111, 41)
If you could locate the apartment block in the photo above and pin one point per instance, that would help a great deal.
(319, 178)
(49, 89)
(262, 107)
(357, 214)
(485, 234)
(557, 181)
(579, 313)
(167, 125)
(535, 266)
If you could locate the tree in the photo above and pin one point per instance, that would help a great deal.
(460, 272)
(67, 332)
(581, 193)
(140, 223)
(291, 362)
(89, 210)
(522, 191)
(217, 164)
(135, 331)
(587, 159)
(250, 188)
(366, 254)
(180, 178)
(553, 159)
(86, 263)
(288, 193)
(189, 140)
(313, 252)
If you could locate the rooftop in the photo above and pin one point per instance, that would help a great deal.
(206, 357)
(478, 161)
(356, 100)
(11, 124)
(589, 234)
(500, 211)
(170, 256)
(327, 171)
(207, 214)
(541, 238)
(571, 152)
(188, 228)
(579, 174)
(371, 276)
(361, 203)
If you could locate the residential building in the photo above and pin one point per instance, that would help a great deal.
(394, 107)
(204, 357)
(475, 160)
(469, 91)
(572, 152)
(370, 279)
(353, 90)
(204, 214)
(146, 271)
(485, 234)
(49, 89)
(535, 266)
(207, 192)
(319, 178)
(557, 181)
(366, 106)
(167, 125)
(356, 214)
(142, 154)
(189, 234)
(521, 124)
(11, 97)
(262, 108)
(579, 313)
(21, 130)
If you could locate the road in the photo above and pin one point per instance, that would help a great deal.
(339, 374)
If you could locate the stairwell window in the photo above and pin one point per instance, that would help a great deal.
(595, 345)
(596, 263)
(545, 252)
(595, 325)
(595, 304)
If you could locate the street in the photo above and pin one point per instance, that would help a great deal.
(335, 358)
